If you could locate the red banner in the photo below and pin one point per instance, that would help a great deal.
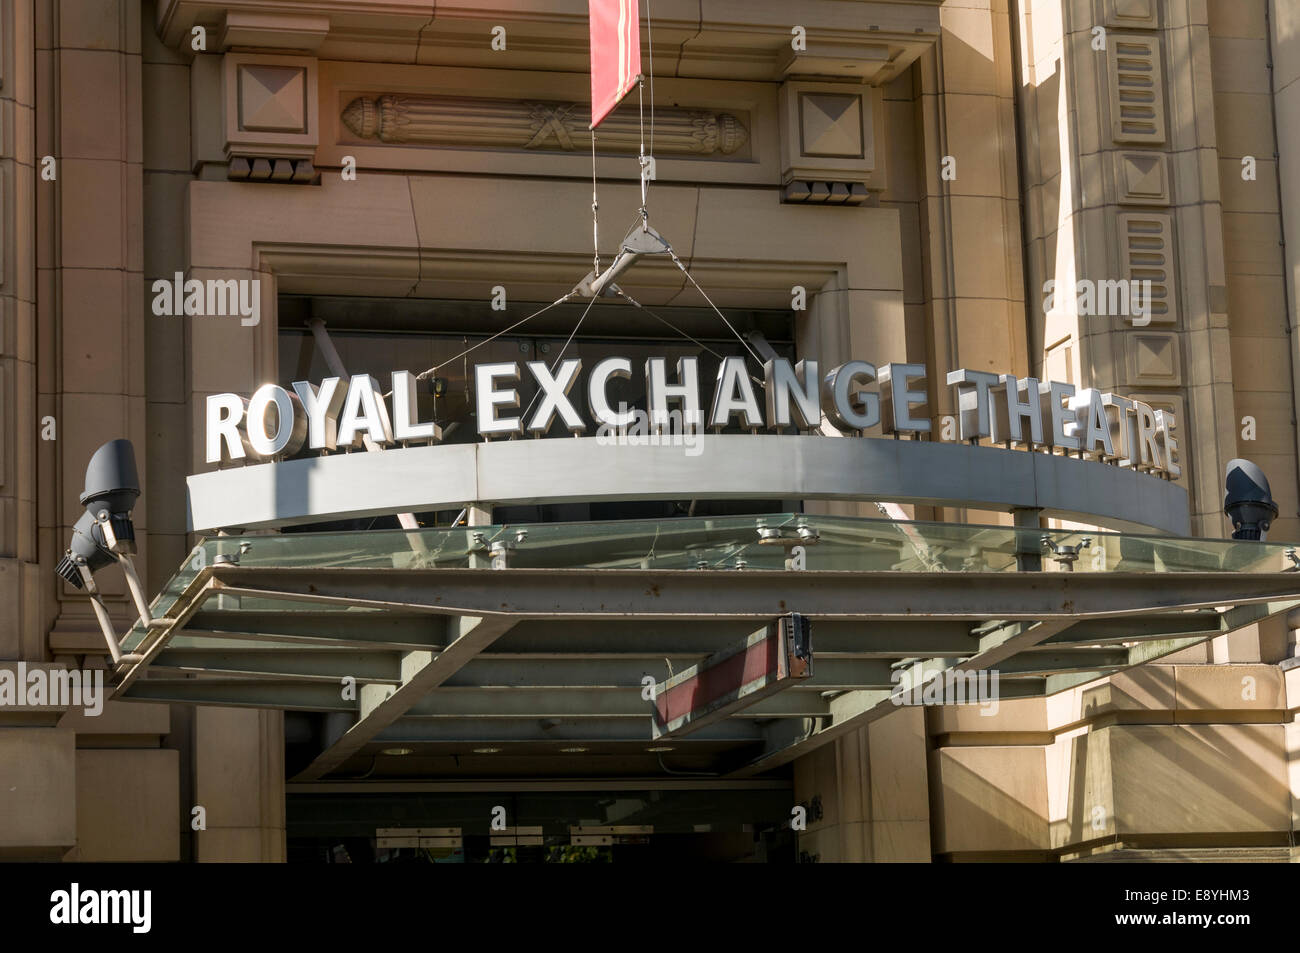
(615, 53)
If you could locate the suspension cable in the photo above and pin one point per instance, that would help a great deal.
(645, 212)
(691, 278)
(595, 205)
(558, 301)
(662, 320)
(559, 357)
(474, 347)
(650, 43)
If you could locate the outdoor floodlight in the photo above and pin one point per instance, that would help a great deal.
(1248, 502)
(112, 487)
(87, 548)
(105, 529)
(105, 534)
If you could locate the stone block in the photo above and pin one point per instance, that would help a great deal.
(38, 805)
(128, 805)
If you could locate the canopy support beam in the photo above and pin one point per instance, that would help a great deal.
(422, 671)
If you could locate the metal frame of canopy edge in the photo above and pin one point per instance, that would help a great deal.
(1045, 631)
(729, 466)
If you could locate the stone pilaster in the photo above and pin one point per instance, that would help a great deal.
(20, 623)
(239, 782)
(90, 261)
(1122, 185)
(867, 794)
(970, 202)
(1259, 284)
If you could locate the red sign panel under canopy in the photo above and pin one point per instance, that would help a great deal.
(728, 681)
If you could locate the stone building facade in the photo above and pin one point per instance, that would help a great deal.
(922, 169)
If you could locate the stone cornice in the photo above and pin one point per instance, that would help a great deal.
(853, 40)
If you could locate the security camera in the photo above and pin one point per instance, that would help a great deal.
(1248, 502)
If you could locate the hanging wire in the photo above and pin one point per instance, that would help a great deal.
(648, 557)
(645, 181)
(738, 550)
(595, 204)
(437, 367)
(647, 159)
(662, 320)
(650, 43)
(559, 357)
(691, 278)
(643, 221)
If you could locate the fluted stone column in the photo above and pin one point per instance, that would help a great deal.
(20, 623)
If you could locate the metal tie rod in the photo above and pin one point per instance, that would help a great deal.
(642, 240)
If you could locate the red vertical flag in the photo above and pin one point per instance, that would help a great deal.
(615, 53)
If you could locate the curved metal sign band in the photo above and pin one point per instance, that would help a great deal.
(421, 479)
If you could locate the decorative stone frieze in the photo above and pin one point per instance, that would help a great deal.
(519, 124)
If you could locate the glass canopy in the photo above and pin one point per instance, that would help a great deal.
(537, 639)
(754, 543)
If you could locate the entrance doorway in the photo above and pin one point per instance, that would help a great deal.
(746, 822)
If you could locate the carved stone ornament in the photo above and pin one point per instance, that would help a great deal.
(515, 124)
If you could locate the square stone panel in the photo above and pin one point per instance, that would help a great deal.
(1154, 358)
(830, 125)
(828, 133)
(1142, 178)
(1132, 13)
(269, 106)
(272, 98)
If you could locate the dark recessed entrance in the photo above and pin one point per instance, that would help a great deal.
(738, 823)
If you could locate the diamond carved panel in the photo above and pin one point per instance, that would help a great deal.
(1132, 14)
(271, 106)
(1153, 359)
(828, 135)
(1142, 178)
(830, 125)
(272, 98)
